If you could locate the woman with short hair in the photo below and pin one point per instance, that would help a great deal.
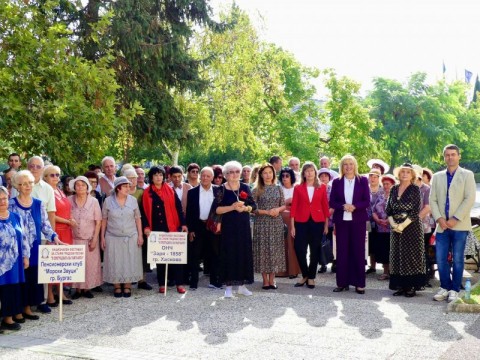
(235, 206)
(162, 211)
(14, 252)
(88, 215)
(35, 223)
(63, 222)
(121, 239)
(407, 251)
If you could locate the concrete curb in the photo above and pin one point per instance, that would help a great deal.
(464, 308)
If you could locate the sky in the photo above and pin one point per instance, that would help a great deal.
(363, 39)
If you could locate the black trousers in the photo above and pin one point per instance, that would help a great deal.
(32, 291)
(308, 235)
(11, 299)
(195, 249)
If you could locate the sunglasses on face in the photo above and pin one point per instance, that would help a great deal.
(285, 175)
(54, 175)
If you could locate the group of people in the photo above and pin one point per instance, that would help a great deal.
(269, 219)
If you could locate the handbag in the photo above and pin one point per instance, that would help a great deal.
(214, 221)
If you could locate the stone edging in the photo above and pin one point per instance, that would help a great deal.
(464, 308)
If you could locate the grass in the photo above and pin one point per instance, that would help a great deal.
(474, 297)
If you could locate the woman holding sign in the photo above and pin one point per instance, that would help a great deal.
(122, 239)
(35, 222)
(162, 211)
(14, 252)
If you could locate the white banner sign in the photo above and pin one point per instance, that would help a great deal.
(167, 248)
(61, 263)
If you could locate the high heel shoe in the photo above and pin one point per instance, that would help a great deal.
(311, 286)
(300, 284)
(341, 288)
(359, 291)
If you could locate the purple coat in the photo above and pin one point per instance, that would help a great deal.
(361, 199)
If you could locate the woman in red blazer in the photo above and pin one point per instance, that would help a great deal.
(309, 219)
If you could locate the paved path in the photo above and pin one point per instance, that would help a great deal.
(283, 324)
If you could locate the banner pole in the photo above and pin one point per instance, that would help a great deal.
(166, 279)
(60, 301)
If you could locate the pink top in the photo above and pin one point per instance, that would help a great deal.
(63, 207)
(85, 216)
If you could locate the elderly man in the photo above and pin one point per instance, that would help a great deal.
(325, 163)
(199, 201)
(41, 190)
(141, 177)
(452, 196)
(294, 164)
(105, 183)
(181, 188)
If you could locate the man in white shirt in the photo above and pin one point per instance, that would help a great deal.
(41, 190)
(294, 164)
(141, 178)
(105, 182)
(199, 202)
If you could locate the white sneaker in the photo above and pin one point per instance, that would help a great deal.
(228, 292)
(452, 296)
(441, 294)
(242, 290)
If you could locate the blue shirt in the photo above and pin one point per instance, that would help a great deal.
(447, 203)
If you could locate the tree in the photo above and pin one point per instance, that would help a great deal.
(55, 103)
(414, 121)
(347, 123)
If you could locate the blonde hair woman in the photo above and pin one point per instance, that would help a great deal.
(349, 199)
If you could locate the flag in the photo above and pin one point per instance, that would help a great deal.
(468, 76)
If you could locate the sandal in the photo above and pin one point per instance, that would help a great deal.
(127, 292)
(117, 292)
(384, 277)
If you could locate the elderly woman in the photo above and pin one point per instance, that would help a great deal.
(325, 254)
(14, 253)
(349, 199)
(137, 193)
(379, 215)
(309, 221)
(378, 164)
(35, 223)
(235, 206)
(246, 171)
(268, 240)
(288, 179)
(162, 211)
(63, 221)
(87, 214)
(376, 193)
(122, 239)
(218, 178)
(407, 252)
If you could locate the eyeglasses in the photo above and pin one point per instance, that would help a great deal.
(219, 177)
(33, 166)
(54, 175)
(285, 175)
(194, 171)
(234, 172)
(29, 183)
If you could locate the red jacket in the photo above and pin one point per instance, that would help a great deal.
(302, 208)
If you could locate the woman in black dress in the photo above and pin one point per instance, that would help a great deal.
(407, 252)
(236, 244)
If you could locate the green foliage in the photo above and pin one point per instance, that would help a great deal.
(414, 121)
(54, 102)
(348, 125)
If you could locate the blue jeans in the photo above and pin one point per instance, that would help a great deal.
(454, 240)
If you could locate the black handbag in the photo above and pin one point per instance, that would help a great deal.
(214, 221)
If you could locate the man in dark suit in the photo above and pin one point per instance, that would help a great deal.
(199, 201)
